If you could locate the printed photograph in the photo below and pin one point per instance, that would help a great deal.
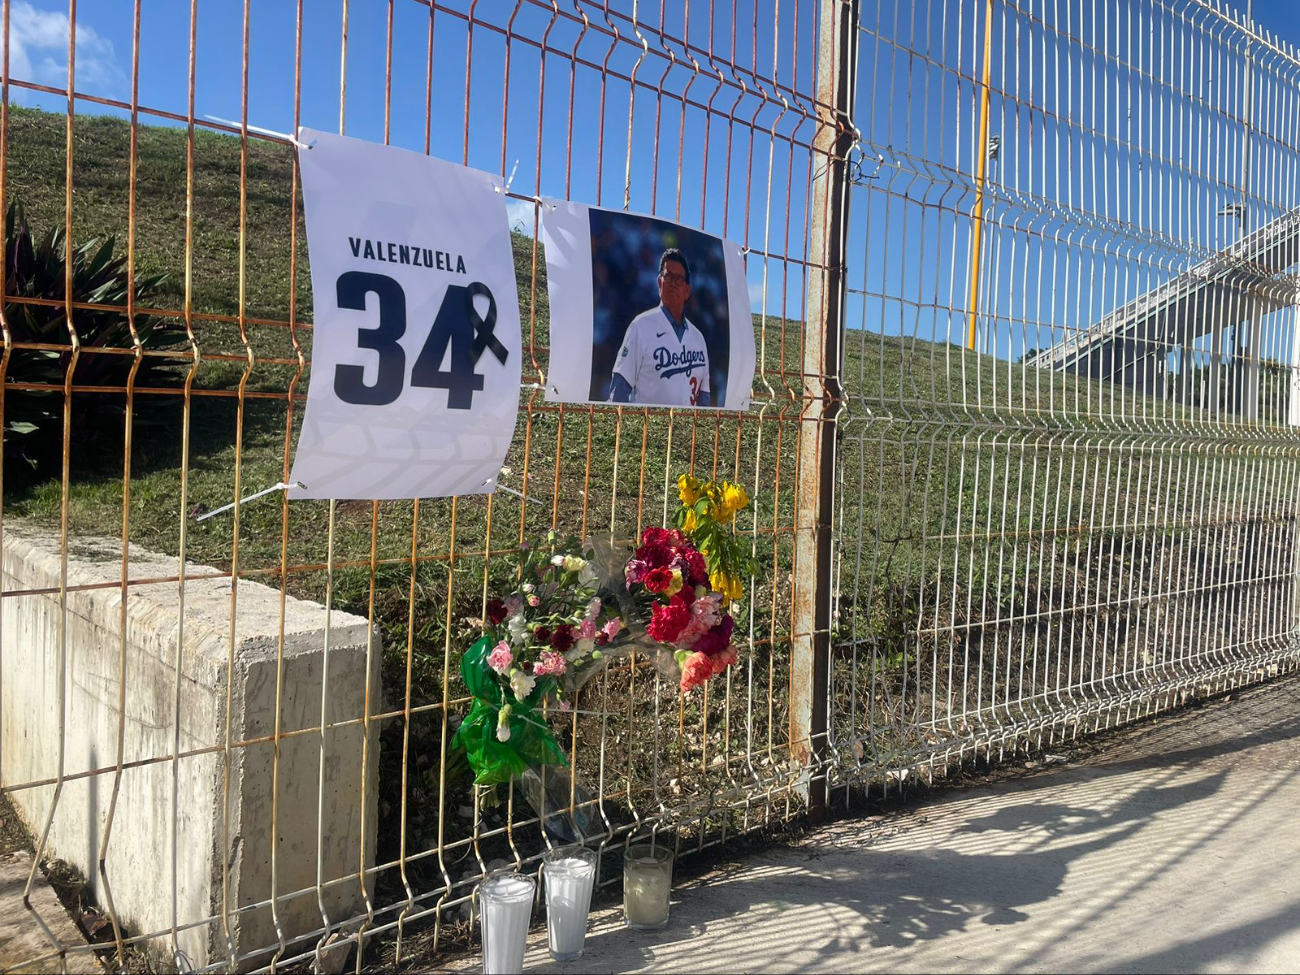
(660, 324)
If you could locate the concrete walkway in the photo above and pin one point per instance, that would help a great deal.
(20, 936)
(1177, 848)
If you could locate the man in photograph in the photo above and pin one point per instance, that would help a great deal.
(663, 360)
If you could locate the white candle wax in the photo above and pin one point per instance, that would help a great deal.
(569, 881)
(505, 905)
(645, 898)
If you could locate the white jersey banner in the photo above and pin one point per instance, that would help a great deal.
(644, 311)
(416, 344)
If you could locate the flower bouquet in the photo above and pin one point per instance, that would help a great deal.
(689, 578)
(536, 643)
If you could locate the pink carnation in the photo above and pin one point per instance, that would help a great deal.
(707, 610)
(587, 630)
(721, 661)
(612, 628)
(635, 572)
(691, 633)
(696, 669)
(501, 658)
(551, 663)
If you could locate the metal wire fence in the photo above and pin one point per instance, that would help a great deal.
(1020, 442)
(1068, 467)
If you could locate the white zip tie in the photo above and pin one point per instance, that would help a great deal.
(509, 179)
(281, 486)
(517, 494)
(261, 131)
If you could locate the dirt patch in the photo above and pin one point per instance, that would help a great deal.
(13, 832)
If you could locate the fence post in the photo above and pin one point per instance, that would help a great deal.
(822, 357)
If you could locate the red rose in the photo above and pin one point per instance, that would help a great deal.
(667, 620)
(542, 635)
(496, 612)
(658, 580)
(562, 638)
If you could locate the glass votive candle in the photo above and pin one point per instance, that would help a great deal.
(570, 874)
(505, 905)
(647, 884)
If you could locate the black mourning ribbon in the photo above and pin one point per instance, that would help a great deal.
(484, 336)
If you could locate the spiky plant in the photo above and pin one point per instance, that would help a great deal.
(34, 269)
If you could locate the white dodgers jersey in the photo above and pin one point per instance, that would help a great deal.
(661, 369)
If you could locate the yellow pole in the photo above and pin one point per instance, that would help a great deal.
(982, 148)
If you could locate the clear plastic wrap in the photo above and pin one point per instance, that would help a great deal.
(610, 558)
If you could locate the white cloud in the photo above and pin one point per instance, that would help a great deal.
(38, 51)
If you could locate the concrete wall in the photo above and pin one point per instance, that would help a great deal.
(145, 871)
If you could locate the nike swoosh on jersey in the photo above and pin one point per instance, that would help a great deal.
(660, 335)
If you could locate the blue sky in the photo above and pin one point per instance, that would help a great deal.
(1121, 135)
(926, 124)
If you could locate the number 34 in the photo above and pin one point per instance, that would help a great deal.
(457, 324)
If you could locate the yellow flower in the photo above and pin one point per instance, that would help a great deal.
(691, 523)
(734, 500)
(689, 488)
(727, 584)
(714, 493)
(675, 586)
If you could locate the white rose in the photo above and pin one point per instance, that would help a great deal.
(573, 563)
(521, 684)
(559, 560)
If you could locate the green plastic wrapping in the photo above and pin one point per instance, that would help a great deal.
(531, 742)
